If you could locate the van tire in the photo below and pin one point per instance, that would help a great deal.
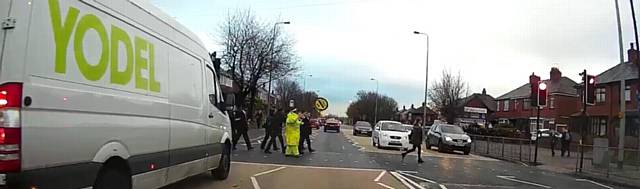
(222, 172)
(112, 176)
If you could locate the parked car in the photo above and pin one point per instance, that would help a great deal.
(362, 127)
(315, 124)
(448, 138)
(390, 134)
(545, 133)
(332, 124)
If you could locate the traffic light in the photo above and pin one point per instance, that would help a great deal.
(534, 81)
(542, 94)
(590, 89)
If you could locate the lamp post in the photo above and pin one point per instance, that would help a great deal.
(271, 64)
(426, 79)
(375, 113)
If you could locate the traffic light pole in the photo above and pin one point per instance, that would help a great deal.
(535, 157)
(584, 117)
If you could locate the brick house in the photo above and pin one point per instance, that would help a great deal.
(603, 116)
(477, 109)
(514, 107)
(409, 116)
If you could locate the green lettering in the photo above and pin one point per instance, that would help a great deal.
(120, 36)
(62, 33)
(141, 63)
(153, 84)
(90, 72)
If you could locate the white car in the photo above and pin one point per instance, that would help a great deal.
(391, 134)
(105, 94)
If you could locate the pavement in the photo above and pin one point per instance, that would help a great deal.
(345, 161)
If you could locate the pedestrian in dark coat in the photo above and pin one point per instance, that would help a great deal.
(305, 134)
(240, 120)
(276, 123)
(415, 138)
(267, 131)
(565, 142)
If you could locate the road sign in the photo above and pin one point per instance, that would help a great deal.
(321, 104)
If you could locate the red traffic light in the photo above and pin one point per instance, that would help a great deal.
(592, 80)
(542, 94)
(542, 86)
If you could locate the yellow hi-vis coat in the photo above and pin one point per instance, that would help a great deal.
(292, 129)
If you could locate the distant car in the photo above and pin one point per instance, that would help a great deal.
(322, 122)
(332, 124)
(390, 134)
(315, 124)
(545, 133)
(362, 127)
(448, 138)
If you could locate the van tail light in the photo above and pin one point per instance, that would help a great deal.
(10, 128)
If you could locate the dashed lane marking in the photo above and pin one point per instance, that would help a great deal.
(513, 178)
(594, 182)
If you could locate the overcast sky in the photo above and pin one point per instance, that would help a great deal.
(494, 44)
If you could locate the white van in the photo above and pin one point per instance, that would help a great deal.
(105, 94)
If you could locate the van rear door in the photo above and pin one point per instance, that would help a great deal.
(4, 13)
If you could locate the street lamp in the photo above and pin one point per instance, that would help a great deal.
(426, 79)
(375, 114)
(271, 65)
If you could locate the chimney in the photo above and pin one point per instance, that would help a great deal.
(533, 78)
(404, 107)
(412, 106)
(633, 54)
(484, 91)
(555, 74)
(423, 105)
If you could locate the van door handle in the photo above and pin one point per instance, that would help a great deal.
(210, 115)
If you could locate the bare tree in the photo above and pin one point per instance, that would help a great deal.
(289, 89)
(254, 50)
(364, 107)
(446, 93)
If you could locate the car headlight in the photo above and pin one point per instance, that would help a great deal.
(469, 140)
(448, 139)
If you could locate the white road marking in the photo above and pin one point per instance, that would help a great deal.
(397, 176)
(513, 178)
(477, 185)
(412, 172)
(417, 177)
(311, 167)
(255, 183)
(442, 186)
(384, 185)
(379, 176)
(410, 181)
(594, 182)
(269, 171)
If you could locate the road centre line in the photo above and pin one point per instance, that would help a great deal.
(379, 176)
(269, 171)
(417, 177)
(513, 178)
(386, 186)
(594, 182)
(397, 176)
(311, 167)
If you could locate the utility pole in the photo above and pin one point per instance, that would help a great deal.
(622, 129)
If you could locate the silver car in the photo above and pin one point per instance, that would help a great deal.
(362, 127)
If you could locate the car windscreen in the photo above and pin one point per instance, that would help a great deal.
(452, 129)
(392, 127)
(362, 124)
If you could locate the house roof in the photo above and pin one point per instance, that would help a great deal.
(616, 73)
(487, 100)
(419, 110)
(562, 86)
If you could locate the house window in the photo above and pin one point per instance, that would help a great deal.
(526, 105)
(498, 106)
(552, 102)
(601, 94)
(627, 93)
(598, 126)
(515, 105)
(506, 105)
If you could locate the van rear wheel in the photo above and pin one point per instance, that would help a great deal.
(222, 172)
(112, 177)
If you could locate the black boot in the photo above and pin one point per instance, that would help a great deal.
(420, 161)
(403, 156)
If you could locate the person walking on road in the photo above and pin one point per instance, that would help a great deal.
(267, 132)
(240, 120)
(555, 136)
(276, 122)
(305, 132)
(565, 142)
(292, 133)
(415, 138)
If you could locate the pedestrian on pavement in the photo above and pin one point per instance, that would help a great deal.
(267, 131)
(565, 142)
(240, 120)
(292, 133)
(415, 138)
(305, 132)
(276, 122)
